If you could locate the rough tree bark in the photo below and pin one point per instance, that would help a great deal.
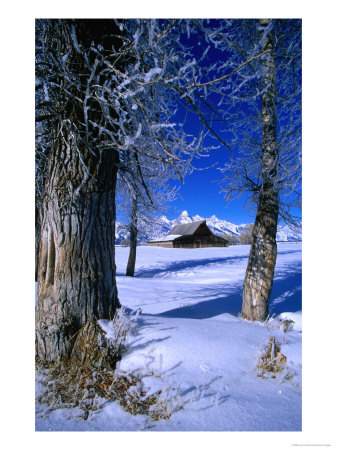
(130, 269)
(37, 241)
(76, 263)
(262, 258)
(76, 275)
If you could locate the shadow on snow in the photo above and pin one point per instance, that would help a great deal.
(286, 297)
(176, 266)
(188, 264)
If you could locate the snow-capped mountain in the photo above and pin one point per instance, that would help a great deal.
(285, 233)
(219, 226)
(161, 226)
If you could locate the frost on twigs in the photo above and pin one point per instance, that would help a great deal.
(286, 325)
(70, 385)
(90, 376)
(144, 393)
(272, 361)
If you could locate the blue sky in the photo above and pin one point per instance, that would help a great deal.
(201, 193)
(201, 196)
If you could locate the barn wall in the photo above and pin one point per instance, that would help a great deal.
(201, 241)
(168, 244)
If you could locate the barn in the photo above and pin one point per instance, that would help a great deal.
(191, 235)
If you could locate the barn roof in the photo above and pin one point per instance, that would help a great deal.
(185, 229)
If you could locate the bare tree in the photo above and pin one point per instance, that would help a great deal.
(139, 216)
(250, 83)
(130, 268)
(104, 106)
(231, 238)
(125, 243)
(76, 275)
(262, 258)
(265, 118)
(246, 236)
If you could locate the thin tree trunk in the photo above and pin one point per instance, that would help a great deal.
(262, 258)
(76, 275)
(130, 269)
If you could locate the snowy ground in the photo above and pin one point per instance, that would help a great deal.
(189, 332)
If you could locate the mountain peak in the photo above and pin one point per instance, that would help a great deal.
(163, 226)
(197, 218)
(184, 214)
(164, 219)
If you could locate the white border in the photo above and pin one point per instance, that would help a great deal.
(319, 218)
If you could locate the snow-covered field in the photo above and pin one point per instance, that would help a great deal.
(190, 334)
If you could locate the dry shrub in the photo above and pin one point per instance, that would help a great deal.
(136, 400)
(89, 378)
(286, 325)
(272, 361)
(71, 384)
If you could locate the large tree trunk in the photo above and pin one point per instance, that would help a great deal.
(37, 240)
(130, 269)
(262, 259)
(76, 263)
(76, 275)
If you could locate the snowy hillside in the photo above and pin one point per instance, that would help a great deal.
(286, 233)
(161, 226)
(190, 343)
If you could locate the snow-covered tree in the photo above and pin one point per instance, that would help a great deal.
(104, 105)
(246, 236)
(261, 108)
(246, 90)
(76, 274)
(140, 216)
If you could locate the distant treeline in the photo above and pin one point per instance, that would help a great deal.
(244, 238)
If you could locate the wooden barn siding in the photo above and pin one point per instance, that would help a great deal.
(192, 242)
(200, 241)
(166, 244)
